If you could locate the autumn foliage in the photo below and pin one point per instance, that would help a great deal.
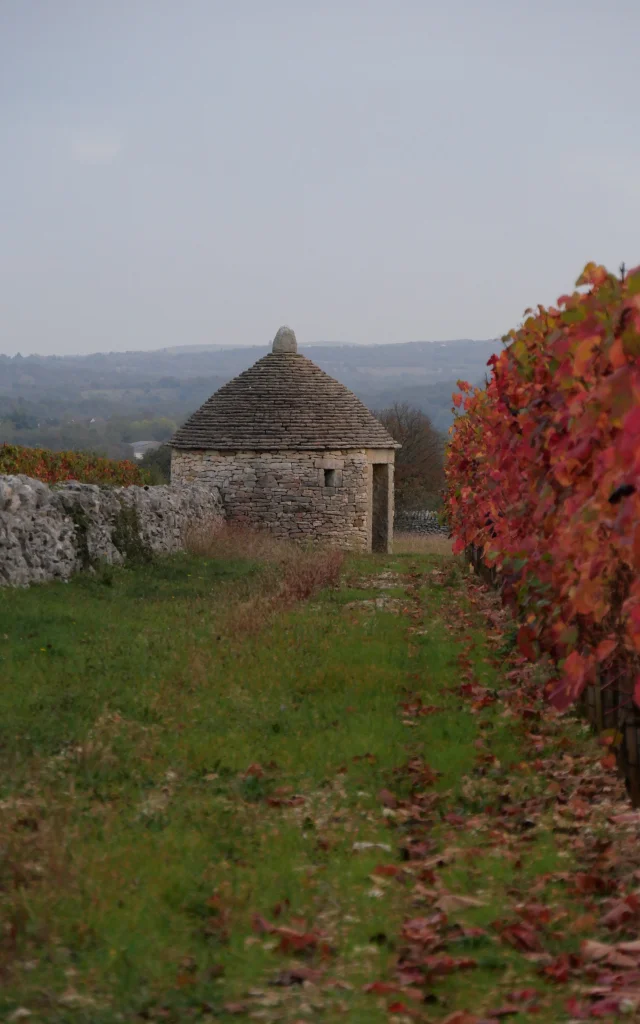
(55, 467)
(543, 474)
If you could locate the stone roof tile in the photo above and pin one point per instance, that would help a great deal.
(282, 402)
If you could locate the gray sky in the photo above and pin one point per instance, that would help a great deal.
(200, 172)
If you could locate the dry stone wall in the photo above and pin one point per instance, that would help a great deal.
(51, 532)
(300, 495)
(421, 521)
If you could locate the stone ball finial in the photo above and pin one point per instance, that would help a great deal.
(285, 342)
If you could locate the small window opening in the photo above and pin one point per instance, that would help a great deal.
(329, 478)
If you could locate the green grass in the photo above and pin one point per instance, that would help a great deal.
(134, 846)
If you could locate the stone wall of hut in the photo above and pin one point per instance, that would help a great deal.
(323, 495)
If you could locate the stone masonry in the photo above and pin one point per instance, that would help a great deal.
(303, 495)
(51, 532)
(420, 521)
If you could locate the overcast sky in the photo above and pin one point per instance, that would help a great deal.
(200, 172)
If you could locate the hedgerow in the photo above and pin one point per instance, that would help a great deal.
(543, 473)
(55, 467)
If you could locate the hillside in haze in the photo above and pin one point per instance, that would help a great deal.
(107, 400)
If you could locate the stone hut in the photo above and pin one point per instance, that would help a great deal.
(291, 448)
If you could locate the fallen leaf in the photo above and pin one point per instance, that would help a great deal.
(522, 936)
(387, 798)
(592, 950)
(461, 1017)
(296, 976)
(381, 988)
(523, 995)
(622, 912)
(632, 947)
(387, 870)
(443, 964)
(449, 902)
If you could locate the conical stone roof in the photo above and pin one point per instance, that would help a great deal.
(282, 402)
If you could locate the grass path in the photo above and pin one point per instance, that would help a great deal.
(343, 815)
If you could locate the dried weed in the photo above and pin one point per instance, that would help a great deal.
(421, 544)
(291, 572)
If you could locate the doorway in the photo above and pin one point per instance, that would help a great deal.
(380, 508)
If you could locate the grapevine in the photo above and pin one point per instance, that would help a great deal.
(543, 474)
(55, 467)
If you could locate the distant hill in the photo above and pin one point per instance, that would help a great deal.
(44, 394)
